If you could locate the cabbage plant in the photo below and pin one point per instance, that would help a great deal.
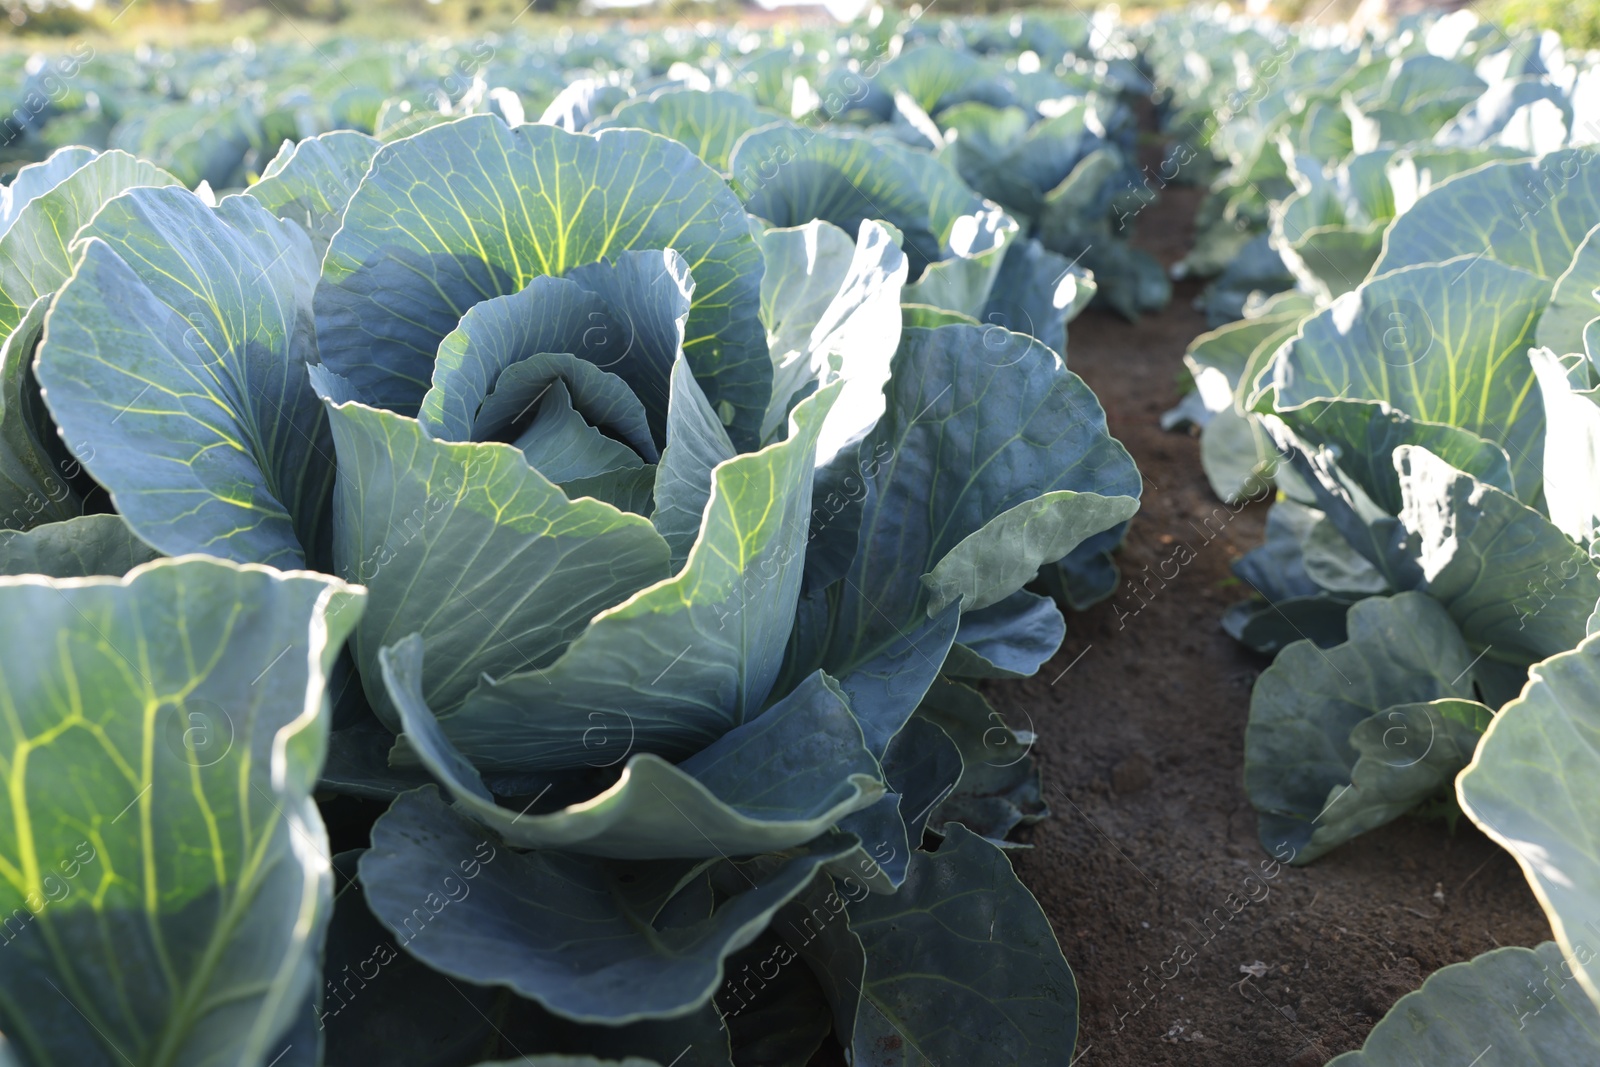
(1063, 177)
(1420, 419)
(1409, 400)
(1330, 230)
(1529, 786)
(1304, 126)
(679, 546)
(1426, 404)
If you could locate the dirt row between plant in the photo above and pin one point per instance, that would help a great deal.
(1190, 944)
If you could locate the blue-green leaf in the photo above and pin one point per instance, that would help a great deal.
(76, 548)
(649, 296)
(483, 391)
(999, 786)
(1001, 556)
(411, 1013)
(36, 247)
(382, 1004)
(36, 179)
(1531, 787)
(816, 927)
(1531, 214)
(1009, 639)
(591, 940)
(708, 123)
(1573, 303)
(969, 443)
(964, 281)
(1038, 292)
(177, 354)
(774, 782)
(696, 444)
(1515, 585)
(470, 210)
(923, 765)
(790, 176)
(1402, 650)
(560, 445)
(162, 863)
(39, 477)
(961, 966)
(1405, 755)
(1440, 342)
(689, 658)
(1364, 434)
(1512, 1007)
(786, 1018)
(929, 317)
(832, 311)
(434, 529)
(1076, 205)
(885, 688)
(312, 181)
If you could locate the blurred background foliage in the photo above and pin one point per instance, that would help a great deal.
(173, 21)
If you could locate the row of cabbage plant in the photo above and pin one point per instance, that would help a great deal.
(494, 588)
(1411, 227)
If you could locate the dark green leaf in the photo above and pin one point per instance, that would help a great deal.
(590, 940)
(961, 966)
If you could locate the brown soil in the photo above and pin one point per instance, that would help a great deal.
(1141, 723)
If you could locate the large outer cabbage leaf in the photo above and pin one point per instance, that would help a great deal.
(1512, 1007)
(1440, 342)
(960, 965)
(1517, 587)
(81, 547)
(1532, 787)
(36, 245)
(1300, 753)
(428, 1019)
(165, 873)
(37, 179)
(432, 529)
(774, 782)
(979, 445)
(1531, 214)
(312, 181)
(175, 362)
(592, 940)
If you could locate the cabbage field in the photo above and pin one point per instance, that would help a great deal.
(515, 548)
